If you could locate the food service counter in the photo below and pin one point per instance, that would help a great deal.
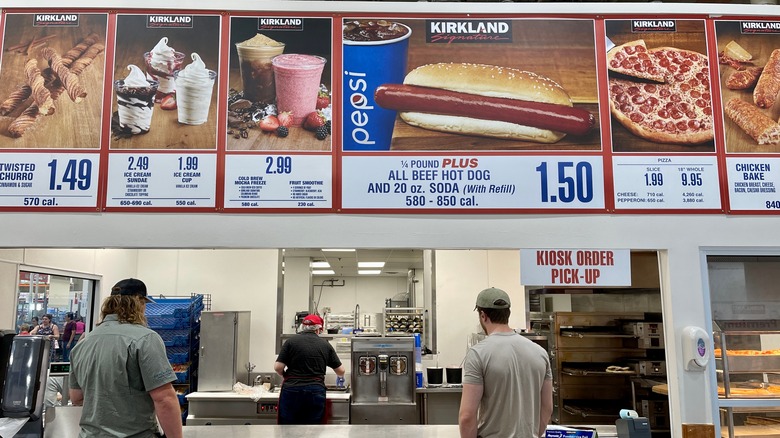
(230, 408)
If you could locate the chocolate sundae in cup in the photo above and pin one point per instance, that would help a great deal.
(135, 101)
(374, 54)
(257, 72)
(161, 62)
(194, 85)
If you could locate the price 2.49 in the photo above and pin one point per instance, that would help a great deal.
(77, 175)
(575, 182)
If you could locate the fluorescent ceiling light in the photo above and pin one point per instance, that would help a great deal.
(369, 271)
(338, 250)
(323, 272)
(371, 264)
(319, 264)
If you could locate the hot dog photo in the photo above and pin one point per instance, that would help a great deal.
(660, 95)
(749, 63)
(469, 85)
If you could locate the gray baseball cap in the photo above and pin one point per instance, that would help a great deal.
(493, 298)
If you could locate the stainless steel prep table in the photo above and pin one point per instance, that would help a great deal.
(439, 405)
(341, 431)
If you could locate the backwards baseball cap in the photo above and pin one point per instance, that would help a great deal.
(312, 320)
(131, 286)
(493, 298)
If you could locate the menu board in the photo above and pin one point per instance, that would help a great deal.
(470, 114)
(51, 86)
(279, 114)
(317, 112)
(750, 55)
(661, 120)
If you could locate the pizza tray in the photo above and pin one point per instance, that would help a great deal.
(751, 364)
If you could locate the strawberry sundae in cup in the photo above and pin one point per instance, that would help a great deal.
(161, 62)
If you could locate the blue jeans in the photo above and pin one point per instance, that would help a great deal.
(301, 404)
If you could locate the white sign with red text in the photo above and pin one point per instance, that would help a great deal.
(575, 267)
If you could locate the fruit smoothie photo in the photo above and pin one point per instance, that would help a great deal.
(297, 83)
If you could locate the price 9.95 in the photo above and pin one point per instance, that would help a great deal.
(77, 175)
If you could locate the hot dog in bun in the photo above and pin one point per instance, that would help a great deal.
(485, 100)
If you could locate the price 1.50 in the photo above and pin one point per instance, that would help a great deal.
(77, 175)
(575, 182)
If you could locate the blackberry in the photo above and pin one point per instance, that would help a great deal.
(282, 131)
(321, 133)
(327, 126)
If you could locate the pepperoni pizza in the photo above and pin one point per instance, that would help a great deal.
(677, 110)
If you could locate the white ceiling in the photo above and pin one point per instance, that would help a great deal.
(398, 262)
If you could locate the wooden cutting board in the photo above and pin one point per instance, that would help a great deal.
(72, 125)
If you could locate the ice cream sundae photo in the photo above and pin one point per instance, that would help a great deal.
(161, 62)
(135, 100)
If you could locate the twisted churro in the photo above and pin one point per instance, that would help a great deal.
(41, 95)
(24, 121)
(71, 81)
(15, 99)
(75, 52)
(86, 59)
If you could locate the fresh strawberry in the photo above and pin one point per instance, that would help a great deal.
(323, 99)
(285, 119)
(269, 123)
(168, 102)
(314, 120)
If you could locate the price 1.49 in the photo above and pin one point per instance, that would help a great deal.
(575, 182)
(77, 175)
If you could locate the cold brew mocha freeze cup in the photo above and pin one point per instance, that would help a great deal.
(257, 72)
(194, 85)
(374, 54)
(135, 101)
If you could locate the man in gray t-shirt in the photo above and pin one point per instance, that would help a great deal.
(120, 373)
(507, 380)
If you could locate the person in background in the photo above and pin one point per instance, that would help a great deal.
(52, 333)
(120, 373)
(68, 333)
(80, 326)
(302, 363)
(34, 322)
(24, 330)
(507, 379)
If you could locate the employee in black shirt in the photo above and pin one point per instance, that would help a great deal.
(302, 363)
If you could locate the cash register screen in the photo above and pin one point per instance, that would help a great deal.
(59, 368)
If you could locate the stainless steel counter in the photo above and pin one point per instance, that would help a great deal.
(324, 431)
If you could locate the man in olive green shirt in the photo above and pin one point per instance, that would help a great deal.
(120, 372)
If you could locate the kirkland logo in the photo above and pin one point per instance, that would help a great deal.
(295, 24)
(56, 20)
(156, 21)
(468, 31)
(759, 26)
(653, 26)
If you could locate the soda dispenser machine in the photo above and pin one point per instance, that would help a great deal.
(383, 387)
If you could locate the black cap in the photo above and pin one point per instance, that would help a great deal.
(131, 286)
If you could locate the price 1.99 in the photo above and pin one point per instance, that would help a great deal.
(77, 175)
(574, 182)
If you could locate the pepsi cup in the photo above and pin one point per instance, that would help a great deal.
(369, 63)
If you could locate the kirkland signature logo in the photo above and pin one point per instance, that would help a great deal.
(280, 23)
(179, 21)
(56, 20)
(468, 31)
(653, 26)
(759, 26)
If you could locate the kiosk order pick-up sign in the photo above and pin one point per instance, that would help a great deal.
(575, 267)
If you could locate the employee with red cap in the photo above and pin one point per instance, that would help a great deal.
(302, 363)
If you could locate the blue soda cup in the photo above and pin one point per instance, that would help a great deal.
(367, 65)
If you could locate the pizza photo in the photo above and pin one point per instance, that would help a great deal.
(659, 94)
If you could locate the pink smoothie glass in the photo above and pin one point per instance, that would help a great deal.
(297, 83)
